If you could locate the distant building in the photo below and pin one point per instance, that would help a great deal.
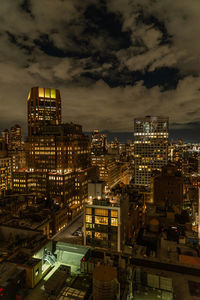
(99, 143)
(150, 147)
(14, 141)
(109, 169)
(5, 168)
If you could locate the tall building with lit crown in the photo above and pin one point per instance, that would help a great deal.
(44, 107)
(150, 147)
(57, 155)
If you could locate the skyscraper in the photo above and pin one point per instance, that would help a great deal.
(15, 142)
(58, 155)
(151, 147)
(44, 107)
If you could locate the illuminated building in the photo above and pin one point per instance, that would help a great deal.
(105, 223)
(5, 168)
(125, 173)
(58, 155)
(44, 107)
(58, 148)
(15, 140)
(5, 136)
(113, 147)
(15, 144)
(21, 181)
(109, 170)
(150, 146)
(70, 188)
(99, 143)
(58, 159)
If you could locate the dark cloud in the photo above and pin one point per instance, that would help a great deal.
(112, 60)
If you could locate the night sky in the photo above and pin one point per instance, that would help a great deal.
(112, 60)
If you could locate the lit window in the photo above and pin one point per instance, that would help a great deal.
(114, 213)
(88, 211)
(101, 212)
(101, 220)
(53, 93)
(47, 93)
(114, 221)
(88, 219)
(41, 92)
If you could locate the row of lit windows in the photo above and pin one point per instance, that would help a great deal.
(47, 93)
(101, 220)
(102, 212)
(151, 134)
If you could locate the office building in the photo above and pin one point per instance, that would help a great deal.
(108, 168)
(57, 155)
(5, 168)
(150, 147)
(44, 108)
(58, 147)
(14, 141)
(15, 138)
(99, 143)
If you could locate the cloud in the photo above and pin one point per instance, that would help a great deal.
(103, 107)
(180, 18)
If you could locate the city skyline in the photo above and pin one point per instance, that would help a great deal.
(111, 60)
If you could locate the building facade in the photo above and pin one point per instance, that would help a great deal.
(59, 147)
(106, 223)
(57, 155)
(150, 147)
(44, 107)
(5, 169)
(108, 168)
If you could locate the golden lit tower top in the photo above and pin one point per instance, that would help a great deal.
(44, 107)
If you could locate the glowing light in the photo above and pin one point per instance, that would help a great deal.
(41, 92)
(53, 93)
(47, 93)
(29, 95)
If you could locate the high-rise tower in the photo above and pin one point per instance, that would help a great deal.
(151, 147)
(58, 155)
(44, 107)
